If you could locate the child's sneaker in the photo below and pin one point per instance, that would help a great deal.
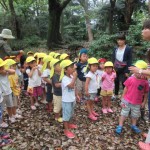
(3, 125)
(18, 111)
(69, 134)
(37, 104)
(59, 119)
(104, 110)
(12, 120)
(33, 107)
(4, 135)
(92, 117)
(135, 129)
(144, 146)
(119, 129)
(109, 110)
(96, 99)
(4, 142)
(72, 126)
(95, 114)
(17, 116)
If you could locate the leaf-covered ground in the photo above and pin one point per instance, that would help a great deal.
(39, 131)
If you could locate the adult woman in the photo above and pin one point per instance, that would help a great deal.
(122, 59)
(5, 49)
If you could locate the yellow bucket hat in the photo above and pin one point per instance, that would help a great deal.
(63, 65)
(36, 54)
(52, 54)
(63, 56)
(141, 64)
(56, 55)
(52, 64)
(108, 64)
(30, 52)
(12, 57)
(46, 60)
(9, 62)
(2, 63)
(29, 59)
(91, 61)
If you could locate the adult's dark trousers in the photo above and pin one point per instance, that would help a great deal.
(120, 78)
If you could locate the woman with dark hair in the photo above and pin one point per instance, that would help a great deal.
(122, 59)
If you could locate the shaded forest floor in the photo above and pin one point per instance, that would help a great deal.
(39, 131)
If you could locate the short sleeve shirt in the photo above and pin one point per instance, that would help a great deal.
(57, 90)
(35, 80)
(99, 72)
(93, 84)
(136, 88)
(108, 81)
(80, 71)
(68, 94)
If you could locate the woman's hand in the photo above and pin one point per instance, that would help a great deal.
(134, 69)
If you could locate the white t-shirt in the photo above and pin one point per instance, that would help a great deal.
(120, 54)
(35, 80)
(93, 84)
(68, 94)
(40, 66)
(5, 85)
(45, 74)
(99, 78)
(1, 96)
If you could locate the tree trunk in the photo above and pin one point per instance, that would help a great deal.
(129, 8)
(15, 21)
(55, 11)
(111, 15)
(84, 4)
(149, 7)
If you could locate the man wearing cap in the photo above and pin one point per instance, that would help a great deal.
(5, 49)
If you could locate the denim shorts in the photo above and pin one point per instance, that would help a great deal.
(127, 107)
(68, 110)
(91, 96)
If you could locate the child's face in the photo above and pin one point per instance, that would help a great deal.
(109, 70)
(93, 67)
(13, 67)
(69, 70)
(84, 57)
(146, 34)
(101, 65)
(2, 68)
(57, 68)
(32, 64)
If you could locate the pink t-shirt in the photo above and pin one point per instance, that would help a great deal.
(108, 81)
(136, 88)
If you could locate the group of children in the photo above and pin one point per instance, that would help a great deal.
(61, 82)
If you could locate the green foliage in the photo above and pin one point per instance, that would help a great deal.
(102, 47)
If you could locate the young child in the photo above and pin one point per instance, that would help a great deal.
(136, 87)
(6, 90)
(91, 87)
(55, 65)
(107, 87)
(48, 82)
(15, 87)
(64, 56)
(80, 66)
(100, 71)
(34, 86)
(68, 95)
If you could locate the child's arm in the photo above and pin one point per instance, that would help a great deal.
(72, 84)
(124, 92)
(7, 71)
(57, 85)
(31, 72)
(86, 86)
(145, 100)
(39, 72)
(47, 80)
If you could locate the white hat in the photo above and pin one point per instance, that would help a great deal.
(6, 34)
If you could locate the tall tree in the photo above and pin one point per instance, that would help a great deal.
(15, 20)
(111, 15)
(55, 10)
(85, 4)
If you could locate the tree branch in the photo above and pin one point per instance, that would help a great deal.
(65, 3)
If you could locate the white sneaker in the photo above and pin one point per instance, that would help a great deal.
(37, 104)
(33, 107)
(18, 111)
(44, 102)
(17, 116)
(12, 120)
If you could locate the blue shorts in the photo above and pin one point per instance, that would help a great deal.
(68, 110)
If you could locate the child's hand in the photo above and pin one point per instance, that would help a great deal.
(75, 74)
(34, 68)
(87, 94)
(143, 105)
